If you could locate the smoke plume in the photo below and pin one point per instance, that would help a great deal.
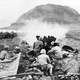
(36, 27)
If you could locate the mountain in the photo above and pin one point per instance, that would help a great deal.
(51, 13)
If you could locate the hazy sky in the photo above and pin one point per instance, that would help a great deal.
(10, 10)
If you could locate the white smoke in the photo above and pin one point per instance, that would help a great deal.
(3, 30)
(36, 27)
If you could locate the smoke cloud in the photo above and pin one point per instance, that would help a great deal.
(36, 27)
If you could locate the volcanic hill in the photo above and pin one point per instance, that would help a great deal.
(52, 14)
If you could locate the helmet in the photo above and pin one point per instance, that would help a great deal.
(52, 43)
(16, 47)
(6, 47)
(43, 51)
(24, 42)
